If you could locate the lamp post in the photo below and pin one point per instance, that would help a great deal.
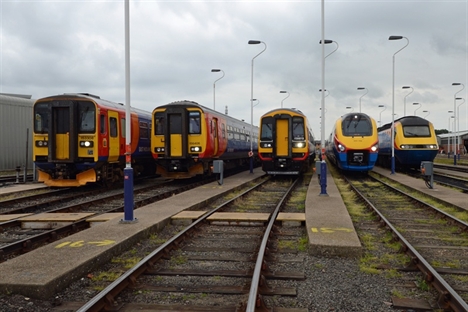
(251, 102)
(393, 99)
(351, 108)
(380, 115)
(285, 97)
(404, 108)
(458, 125)
(455, 113)
(448, 139)
(361, 88)
(426, 111)
(214, 85)
(417, 108)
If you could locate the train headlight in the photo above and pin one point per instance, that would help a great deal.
(404, 146)
(341, 147)
(159, 149)
(195, 149)
(41, 143)
(375, 148)
(299, 144)
(86, 143)
(266, 144)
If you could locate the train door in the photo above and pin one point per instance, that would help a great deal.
(114, 141)
(215, 137)
(282, 137)
(175, 133)
(62, 130)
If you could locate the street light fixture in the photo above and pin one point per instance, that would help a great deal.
(380, 115)
(361, 88)
(258, 102)
(251, 102)
(428, 113)
(448, 138)
(328, 92)
(393, 99)
(327, 41)
(214, 85)
(285, 97)
(417, 108)
(406, 87)
(351, 108)
(455, 113)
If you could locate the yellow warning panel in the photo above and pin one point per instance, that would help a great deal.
(9, 217)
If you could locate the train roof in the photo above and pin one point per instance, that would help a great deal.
(187, 103)
(407, 120)
(292, 110)
(96, 99)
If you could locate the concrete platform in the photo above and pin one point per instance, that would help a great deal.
(329, 226)
(443, 193)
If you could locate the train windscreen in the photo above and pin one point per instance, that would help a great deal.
(416, 131)
(41, 118)
(267, 129)
(194, 123)
(159, 123)
(353, 125)
(87, 117)
(298, 128)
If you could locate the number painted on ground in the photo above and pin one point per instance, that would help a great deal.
(82, 243)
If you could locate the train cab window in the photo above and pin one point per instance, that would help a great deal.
(113, 127)
(267, 128)
(356, 125)
(194, 123)
(41, 118)
(87, 117)
(416, 131)
(103, 124)
(223, 131)
(298, 128)
(159, 123)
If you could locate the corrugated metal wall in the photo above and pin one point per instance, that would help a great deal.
(15, 120)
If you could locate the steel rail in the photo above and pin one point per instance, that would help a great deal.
(105, 300)
(448, 297)
(254, 297)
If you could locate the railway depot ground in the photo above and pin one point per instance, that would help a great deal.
(49, 269)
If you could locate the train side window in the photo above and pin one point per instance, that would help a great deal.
(144, 130)
(267, 129)
(122, 126)
(194, 123)
(103, 123)
(41, 120)
(159, 123)
(113, 127)
(298, 128)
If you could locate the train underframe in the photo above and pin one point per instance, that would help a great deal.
(286, 165)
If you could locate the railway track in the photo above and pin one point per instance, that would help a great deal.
(16, 239)
(236, 256)
(435, 240)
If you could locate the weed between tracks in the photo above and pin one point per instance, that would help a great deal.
(381, 252)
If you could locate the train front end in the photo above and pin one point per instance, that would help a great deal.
(179, 140)
(285, 147)
(65, 141)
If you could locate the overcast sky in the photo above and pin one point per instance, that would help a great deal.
(55, 47)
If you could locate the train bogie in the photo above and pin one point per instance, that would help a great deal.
(353, 143)
(287, 145)
(80, 138)
(414, 141)
(188, 137)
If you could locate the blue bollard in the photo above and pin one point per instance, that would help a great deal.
(129, 203)
(323, 178)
